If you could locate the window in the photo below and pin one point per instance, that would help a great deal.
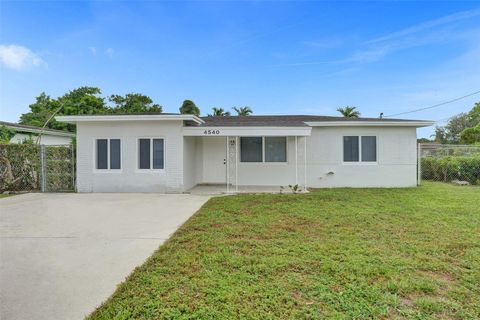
(263, 149)
(251, 149)
(369, 149)
(151, 153)
(356, 147)
(275, 149)
(108, 154)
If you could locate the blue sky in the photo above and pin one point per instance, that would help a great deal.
(278, 57)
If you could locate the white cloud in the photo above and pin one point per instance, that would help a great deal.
(19, 58)
(459, 16)
(109, 52)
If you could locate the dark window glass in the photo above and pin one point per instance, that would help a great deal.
(114, 153)
(275, 149)
(144, 154)
(350, 149)
(369, 149)
(158, 148)
(251, 149)
(102, 154)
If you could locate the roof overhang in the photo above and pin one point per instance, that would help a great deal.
(133, 117)
(40, 131)
(246, 131)
(415, 124)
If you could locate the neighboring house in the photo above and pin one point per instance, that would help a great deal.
(47, 136)
(173, 152)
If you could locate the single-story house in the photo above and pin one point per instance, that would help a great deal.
(47, 136)
(175, 152)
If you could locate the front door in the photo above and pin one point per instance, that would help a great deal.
(214, 160)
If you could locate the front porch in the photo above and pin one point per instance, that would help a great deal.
(266, 160)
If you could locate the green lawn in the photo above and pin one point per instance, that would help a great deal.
(331, 254)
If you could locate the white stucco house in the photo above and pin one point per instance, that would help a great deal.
(47, 136)
(173, 153)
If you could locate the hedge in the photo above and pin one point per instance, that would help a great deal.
(450, 168)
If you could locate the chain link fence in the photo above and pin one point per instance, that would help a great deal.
(458, 164)
(30, 167)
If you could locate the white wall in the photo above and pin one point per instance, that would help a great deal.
(395, 167)
(45, 139)
(396, 158)
(189, 162)
(129, 178)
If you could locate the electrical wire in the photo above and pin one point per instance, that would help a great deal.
(434, 106)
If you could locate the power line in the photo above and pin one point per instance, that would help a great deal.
(434, 106)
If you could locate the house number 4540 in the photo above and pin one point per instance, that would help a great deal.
(210, 132)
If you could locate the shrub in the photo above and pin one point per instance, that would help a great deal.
(450, 168)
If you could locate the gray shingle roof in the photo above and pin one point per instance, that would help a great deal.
(280, 120)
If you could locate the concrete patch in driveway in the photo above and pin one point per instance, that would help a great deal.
(61, 255)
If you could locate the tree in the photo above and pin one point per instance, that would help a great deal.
(6, 135)
(470, 135)
(219, 112)
(243, 111)
(452, 131)
(133, 102)
(83, 100)
(189, 107)
(349, 112)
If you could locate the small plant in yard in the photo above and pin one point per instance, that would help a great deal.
(295, 188)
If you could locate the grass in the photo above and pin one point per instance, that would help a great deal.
(4, 195)
(331, 254)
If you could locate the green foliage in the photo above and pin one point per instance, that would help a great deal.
(470, 135)
(423, 140)
(450, 168)
(243, 111)
(349, 112)
(219, 112)
(83, 101)
(19, 167)
(189, 107)
(6, 135)
(452, 131)
(80, 101)
(400, 253)
(133, 102)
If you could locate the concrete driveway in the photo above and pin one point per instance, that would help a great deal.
(61, 255)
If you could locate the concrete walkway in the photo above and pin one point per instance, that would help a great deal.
(61, 255)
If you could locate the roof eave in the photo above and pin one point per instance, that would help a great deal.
(416, 124)
(149, 117)
(40, 131)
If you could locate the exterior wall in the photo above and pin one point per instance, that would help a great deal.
(189, 162)
(210, 162)
(129, 178)
(396, 158)
(46, 139)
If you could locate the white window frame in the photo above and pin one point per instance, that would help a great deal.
(263, 152)
(151, 170)
(360, 160)
(108, 170)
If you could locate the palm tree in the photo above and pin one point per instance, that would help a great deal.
(219, 112)
(243, 111)
(349, 112)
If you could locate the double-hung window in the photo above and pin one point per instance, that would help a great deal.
(263, 149)
(108, 154)
(359, 149)
(151, 153)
